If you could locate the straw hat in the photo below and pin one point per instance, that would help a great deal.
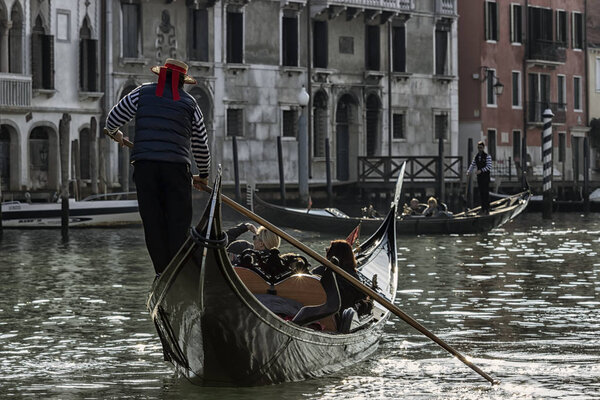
(175, 65)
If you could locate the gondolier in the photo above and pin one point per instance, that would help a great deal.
(483, 164)
(169, 130)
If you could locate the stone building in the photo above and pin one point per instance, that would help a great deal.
(49, 95)
(251, 59)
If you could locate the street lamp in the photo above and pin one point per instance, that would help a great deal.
(498, 86)
(303, 99)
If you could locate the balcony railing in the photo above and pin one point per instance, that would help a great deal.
(547, 50)
(396, 5)
(535, 110)
(445, 7)
(15, 91)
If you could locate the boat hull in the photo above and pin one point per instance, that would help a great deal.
(216, 332)
(105, 213)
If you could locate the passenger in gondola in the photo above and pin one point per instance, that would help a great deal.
(340, 253)
(432, 209)
(414, 207)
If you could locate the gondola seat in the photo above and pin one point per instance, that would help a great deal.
(310, 314)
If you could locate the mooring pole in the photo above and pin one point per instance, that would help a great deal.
(281, 175)
(469, 161)
(236, 170)
(548, 165)
(328, 173)
(586, 174)
(442, 189)
(64, 142)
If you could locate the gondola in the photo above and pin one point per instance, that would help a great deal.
(332, 220)
(216, 331)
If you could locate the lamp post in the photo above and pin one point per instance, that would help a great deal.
(303, 99)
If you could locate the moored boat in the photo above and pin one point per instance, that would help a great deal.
(90, 212)
(216, 331)
(332, 220)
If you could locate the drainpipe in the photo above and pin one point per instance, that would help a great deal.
(525, 106)
(309, 85)
(390, 114)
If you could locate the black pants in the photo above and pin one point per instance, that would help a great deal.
(483, 184)
(164, 192)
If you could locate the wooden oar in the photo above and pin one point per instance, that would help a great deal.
(355, 282)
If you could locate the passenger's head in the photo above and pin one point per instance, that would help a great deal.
(414, 203)
(265, 239)
(480, 146)
(342, 250)
(432, 202)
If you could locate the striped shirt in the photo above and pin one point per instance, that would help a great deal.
(125, 110)
(488, 164)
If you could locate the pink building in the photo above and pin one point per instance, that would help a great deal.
(516, 59)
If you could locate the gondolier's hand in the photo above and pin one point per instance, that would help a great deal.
(478, 172)
(198, 182)
(119, 138)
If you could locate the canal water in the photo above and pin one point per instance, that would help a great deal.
(522, 302)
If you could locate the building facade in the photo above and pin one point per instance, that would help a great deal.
(593, 87)
(49, 94)
(382, 77)
(536, 50)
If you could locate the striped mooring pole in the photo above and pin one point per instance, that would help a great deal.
(548, 166)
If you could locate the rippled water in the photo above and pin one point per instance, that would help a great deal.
(522, 302)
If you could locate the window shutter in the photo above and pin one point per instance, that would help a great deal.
(320, 44)
(48, 61)
(92, 65)
(82, 65)
(399, 49)
(441, 50)
(290, 41)
(36, 60)
(235, 37)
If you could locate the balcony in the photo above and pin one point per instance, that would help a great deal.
(445, 7)
(547, 52)
(384, 5)
(15, 91)
(535, 110)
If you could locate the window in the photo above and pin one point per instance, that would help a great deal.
(441, 126)
(516, 145)
(15, 41)
(235, 37)
(562, 146)
(491, 139)
(441, 49)
(88, 59)
(320, 44)
(516, 23)
(561, 27)
(577, 33)
(539, 28)
(235, 122)
(399, 49)
(398, 128)
(491, 21)
(562, 90)
(516, 89)
(42, 57)
(490, 81)
(373, 48)
(289, 125)
(577, 93)
(289, 41)
(130, 29)
(198, 34)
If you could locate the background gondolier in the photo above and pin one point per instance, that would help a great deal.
(169, 129)
(483, 164)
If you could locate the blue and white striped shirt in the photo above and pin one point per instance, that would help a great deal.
(125, 110)
(486, 168)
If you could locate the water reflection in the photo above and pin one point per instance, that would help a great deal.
(521, 302)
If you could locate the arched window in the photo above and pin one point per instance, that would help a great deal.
(42, 57)
(320, 123)
(343, 121)
(15, 40)
(39, 152)
(4, 157)
(88, 58)
(373, 113)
